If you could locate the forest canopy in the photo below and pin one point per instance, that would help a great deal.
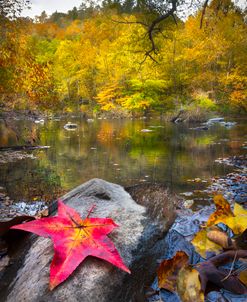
(125, 56)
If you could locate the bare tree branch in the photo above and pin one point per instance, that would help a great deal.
(129, 22)
(156, 21)
(152, 28)
(203, 12)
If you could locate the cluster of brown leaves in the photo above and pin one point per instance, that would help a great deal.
(193, 282)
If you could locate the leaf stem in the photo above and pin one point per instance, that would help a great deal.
(91, 210)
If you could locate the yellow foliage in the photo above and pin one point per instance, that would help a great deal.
(97, 59)
(203, 244)
(189, 285)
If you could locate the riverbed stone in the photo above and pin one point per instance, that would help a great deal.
(139, 240)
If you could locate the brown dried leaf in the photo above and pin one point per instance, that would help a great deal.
(220, 238)
(169, 269)
(210, 274)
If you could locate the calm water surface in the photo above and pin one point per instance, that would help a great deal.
(117, 151)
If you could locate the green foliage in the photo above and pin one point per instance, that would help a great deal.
(142, 95)
(202, 101)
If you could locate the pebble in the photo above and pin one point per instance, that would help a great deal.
(233, 186)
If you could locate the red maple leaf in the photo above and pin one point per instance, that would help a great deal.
(74, 239)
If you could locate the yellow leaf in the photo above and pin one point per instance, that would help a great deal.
(239, 210)
(238, 224)
(237, 221)
(189, 285)
(203, 244)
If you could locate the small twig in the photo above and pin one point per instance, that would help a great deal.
(231, 269)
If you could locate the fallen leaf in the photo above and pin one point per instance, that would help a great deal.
(243, 277)
(203, 244)
(238, 223)
(239, 210)
(211, 274)
(221, 238)
(236, 220)
(189, 285)
(169, 269)
(74, 239)
(223, 210)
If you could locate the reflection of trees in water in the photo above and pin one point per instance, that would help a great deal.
(28, 180)
(19, 133)
(118, 151)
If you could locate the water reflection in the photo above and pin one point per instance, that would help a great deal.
(116, 151)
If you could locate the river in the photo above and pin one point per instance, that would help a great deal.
(117, 151)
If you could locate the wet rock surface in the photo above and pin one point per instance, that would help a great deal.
(138, 240)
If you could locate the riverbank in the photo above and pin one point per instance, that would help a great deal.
(187, 115)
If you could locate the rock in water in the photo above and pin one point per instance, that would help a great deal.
(138, 240)
(215, 120)
(70, 126)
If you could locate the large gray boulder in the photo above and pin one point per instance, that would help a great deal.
(138, 240)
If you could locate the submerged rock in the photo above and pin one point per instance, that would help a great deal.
(220, 121)
(215, 120)
(200, 128)
(228, 124)
(39, 121)
(137, 240)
